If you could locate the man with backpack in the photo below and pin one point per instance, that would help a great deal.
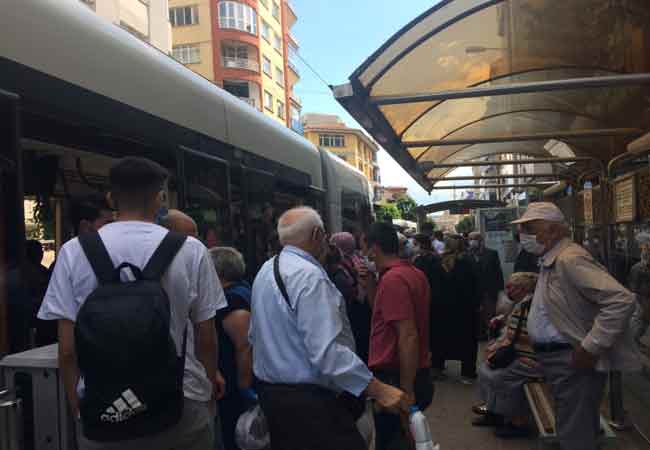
(135, 306)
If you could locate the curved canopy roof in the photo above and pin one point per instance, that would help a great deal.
(475, 78)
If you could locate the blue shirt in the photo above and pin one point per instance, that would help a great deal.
(311, 344)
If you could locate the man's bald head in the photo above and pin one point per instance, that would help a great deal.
(180, 222)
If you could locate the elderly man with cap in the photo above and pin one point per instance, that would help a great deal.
(578, 324)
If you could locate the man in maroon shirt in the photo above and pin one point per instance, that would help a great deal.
(399, 337)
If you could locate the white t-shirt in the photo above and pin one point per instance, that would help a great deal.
(191, 283)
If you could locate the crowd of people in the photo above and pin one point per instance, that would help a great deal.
(328, 324)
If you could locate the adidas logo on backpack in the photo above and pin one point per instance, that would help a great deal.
(125, 407)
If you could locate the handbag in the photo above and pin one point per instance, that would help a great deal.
(356, 406)
(504, 356)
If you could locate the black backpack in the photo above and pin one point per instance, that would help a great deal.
(132, 373)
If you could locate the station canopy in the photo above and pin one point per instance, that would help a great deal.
(470, 79)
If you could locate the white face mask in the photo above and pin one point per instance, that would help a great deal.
(530, 244)
(474, 244)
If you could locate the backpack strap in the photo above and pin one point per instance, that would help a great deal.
(280, 282)
(163, 256)
(98, 257)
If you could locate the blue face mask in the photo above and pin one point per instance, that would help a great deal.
(162, 212)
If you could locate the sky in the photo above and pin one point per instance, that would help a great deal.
(336, 37)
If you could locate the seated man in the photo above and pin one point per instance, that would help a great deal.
(501, 389)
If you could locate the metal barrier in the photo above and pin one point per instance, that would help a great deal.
(46, 419)
(11, 421)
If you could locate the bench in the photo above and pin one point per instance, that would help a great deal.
(540, 401)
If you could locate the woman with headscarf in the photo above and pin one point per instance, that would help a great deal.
(345, 276)
(459, 309)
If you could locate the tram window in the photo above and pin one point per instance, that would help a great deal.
(207, 199)
(354, 211)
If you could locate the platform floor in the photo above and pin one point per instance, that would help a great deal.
(450, 417)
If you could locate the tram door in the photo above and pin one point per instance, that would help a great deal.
(11, 206)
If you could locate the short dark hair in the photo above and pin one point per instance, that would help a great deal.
(438, 235)
(88, 208)
(423, 241)
(135, 181)
(384, 236)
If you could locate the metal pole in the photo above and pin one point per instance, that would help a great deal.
(566, 134)
(428, 165)
(491, 186)
(495, 177)
(516, 88)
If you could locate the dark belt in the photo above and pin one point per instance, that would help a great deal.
(551, 347)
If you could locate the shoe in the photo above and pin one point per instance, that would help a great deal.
(488, 420)
(480, 410)
(467, 381)
(510, 431)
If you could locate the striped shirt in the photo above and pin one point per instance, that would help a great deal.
(523, 345)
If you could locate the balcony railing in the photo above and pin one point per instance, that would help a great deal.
(293, 66)
(241, 63)
(250, 101)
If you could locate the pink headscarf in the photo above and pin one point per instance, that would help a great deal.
(345, 242)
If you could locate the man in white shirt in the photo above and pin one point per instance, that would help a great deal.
(194, 294)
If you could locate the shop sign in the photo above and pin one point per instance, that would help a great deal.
(588, 198)
(625, 199)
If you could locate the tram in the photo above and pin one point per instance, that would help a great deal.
(87, 92)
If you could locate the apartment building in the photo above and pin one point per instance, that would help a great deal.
(146, 19)
(350, 144)
(244, 46)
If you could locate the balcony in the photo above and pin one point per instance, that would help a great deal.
(241, 63)
(293, 66)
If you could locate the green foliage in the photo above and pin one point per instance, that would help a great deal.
(387, 211)
(407, 207)
(43, 221)
(466, 225)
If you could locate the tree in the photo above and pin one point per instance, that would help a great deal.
(387, 212)
(466, 225)
(407, 207)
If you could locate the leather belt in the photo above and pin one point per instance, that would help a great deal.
(551, 347)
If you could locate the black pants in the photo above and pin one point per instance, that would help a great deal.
(389, 432)
(307, 418)
(231, 406)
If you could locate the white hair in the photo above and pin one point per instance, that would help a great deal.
(228, 263)
(296, 225)
(524, 280)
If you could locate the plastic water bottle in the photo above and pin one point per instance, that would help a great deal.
(420, 430)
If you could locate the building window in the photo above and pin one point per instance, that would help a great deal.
(277, 42)
(266, 31)
(237, 16)
(268, 100)
(276, 11)
(187, 54)
(279, 76)
(280, 109)
(332, 140)
(236, 57)
(266, 66)
(183, 16)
